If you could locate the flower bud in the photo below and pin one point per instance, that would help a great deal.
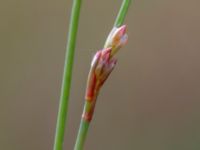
(101, 67)
(116, 39)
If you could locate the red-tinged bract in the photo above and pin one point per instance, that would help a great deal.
(102, 65)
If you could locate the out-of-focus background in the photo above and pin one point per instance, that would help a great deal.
(152, 99)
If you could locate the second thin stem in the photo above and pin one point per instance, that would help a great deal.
(84, 125)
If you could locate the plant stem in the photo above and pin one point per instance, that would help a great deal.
(84, 125)
(122, 12)
(82, 133)
(67, 76)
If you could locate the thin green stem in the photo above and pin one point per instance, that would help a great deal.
(82, 133)
(122, 12)
(84, 125)
(67, 76)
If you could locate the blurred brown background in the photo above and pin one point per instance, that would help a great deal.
(150, 102)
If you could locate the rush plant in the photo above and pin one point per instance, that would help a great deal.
(102, 65)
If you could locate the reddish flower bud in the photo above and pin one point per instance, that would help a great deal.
(101, 67)
(116, 39)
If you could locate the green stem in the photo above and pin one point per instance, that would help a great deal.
(82, 133)
(122, 13)
(67, 76)
(84, 125)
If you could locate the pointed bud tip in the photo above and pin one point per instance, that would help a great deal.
(122, 29)
(96, 59)
(108, 49)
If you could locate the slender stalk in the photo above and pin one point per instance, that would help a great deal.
(67, 76)
(83, 133)
(122, 13)
(84, 125)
